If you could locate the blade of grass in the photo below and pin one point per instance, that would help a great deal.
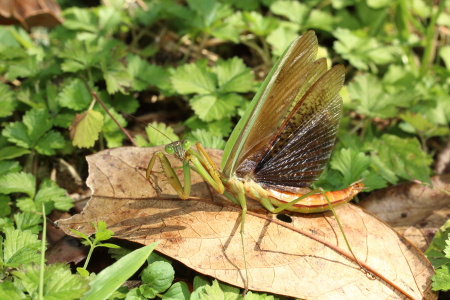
(42, 263)
(111, 278)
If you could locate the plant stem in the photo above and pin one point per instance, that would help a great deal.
(42, 263)
(88, 258)
(430, 42)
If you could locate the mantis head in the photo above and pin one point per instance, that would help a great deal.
(178, 148)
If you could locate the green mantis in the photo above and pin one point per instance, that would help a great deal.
(282, 143)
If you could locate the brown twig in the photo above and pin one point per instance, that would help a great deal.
(97, 98)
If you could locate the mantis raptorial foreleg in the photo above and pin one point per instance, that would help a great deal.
(183, 192)
(202, 164)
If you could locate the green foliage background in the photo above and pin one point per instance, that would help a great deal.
(207, 59)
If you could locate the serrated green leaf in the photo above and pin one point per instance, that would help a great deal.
(207, 13)
(230, 28)
(330, 180)
(447, 248)
(28, 221)
(108, 280)
(75, 95)
(26, 67)
(38, 122)
(117, 79)
(31, 132)
(281, 38)
(220, 128)
(63, 119)
(193, 78)
(103, 236)
(124, 103)
(87, 129)
(101, 226)
(12, 152)
(18, 183)
(145, 74)
(405, 157)
(417, 121)
(351, 163)
(361, 50)
(6, 223)
(206, 138)
(211, 108)
(320, 19)
(367, 91)
(108, 18)
(158, 134)
(49, 191)
(211, 292)
(230, 292)
(373, 181)
(381, 168)
(200, 282)
(5, 208)
(441, 280)
(158, 275)
(59, 283)
(20, 247)
(7, 166)
(440, 114)
(16, 133)
(258, 24)
(49, 142)
(435, 251)
(8, 101)
(296, 12)
(8, 291)
(234, 76)
(80, 19)
(28, 205)
(178, 291)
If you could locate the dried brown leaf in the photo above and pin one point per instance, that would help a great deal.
(416, 211)
(306, 258)
(30, 13)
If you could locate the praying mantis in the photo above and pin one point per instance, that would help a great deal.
(280, 146)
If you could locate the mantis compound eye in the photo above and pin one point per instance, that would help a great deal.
(186, 145)
(169, 149)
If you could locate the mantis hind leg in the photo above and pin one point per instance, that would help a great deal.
(237, 196)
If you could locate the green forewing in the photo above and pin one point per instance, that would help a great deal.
(285, 85)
